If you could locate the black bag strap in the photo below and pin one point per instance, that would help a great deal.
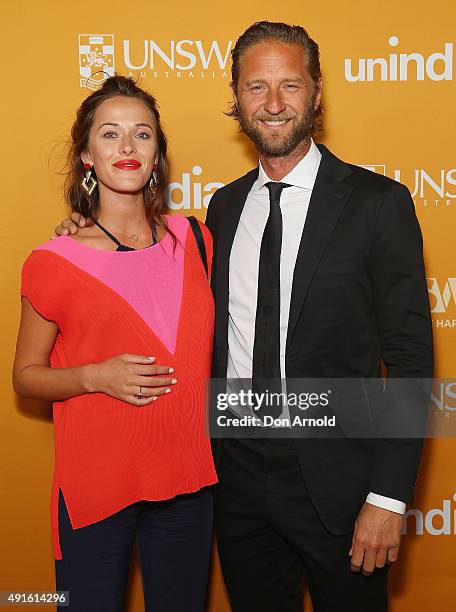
(199, 241)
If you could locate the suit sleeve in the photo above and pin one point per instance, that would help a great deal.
(405, 333)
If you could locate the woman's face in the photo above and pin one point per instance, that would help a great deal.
(122, 145)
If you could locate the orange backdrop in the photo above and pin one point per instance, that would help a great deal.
(389, 74)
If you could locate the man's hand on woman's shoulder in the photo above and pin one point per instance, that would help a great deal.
(72, 225)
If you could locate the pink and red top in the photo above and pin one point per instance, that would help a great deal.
(154, 302)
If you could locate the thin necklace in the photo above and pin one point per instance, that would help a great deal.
(117, 241)
(135, 237)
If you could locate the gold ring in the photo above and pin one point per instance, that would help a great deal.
(139, 396)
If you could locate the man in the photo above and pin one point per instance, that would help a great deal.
(352, 292)
(317, 273)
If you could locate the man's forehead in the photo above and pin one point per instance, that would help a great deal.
(273, 54)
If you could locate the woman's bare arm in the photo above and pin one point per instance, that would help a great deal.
(120, 377)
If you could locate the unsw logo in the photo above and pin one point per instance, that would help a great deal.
(96, 59)
(428, 188)
(442, 296)
(185, 55)
(443, 397)
(179, 59)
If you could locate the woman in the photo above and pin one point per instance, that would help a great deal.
(100, 311)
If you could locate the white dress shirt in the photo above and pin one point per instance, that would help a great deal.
(244, 264)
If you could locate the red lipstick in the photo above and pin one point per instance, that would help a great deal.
(127, 164)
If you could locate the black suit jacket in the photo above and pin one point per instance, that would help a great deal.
(359, 297)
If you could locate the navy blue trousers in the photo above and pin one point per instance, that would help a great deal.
(173, 541)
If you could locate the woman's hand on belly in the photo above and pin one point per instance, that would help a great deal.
(130, 378)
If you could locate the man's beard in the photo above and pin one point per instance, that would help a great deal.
(275, 145)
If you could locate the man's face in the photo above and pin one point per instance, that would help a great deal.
(276, 97)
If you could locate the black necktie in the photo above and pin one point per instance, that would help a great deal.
(266, 348)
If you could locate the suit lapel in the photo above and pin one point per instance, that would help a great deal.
(235, 201)
(327, 202)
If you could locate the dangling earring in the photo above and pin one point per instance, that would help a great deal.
(88, 182)
(154, 178)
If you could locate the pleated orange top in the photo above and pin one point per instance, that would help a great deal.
(154, 302)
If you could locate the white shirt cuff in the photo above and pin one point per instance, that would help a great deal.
(386, 502)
